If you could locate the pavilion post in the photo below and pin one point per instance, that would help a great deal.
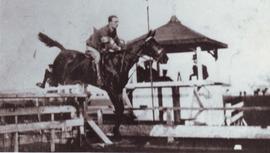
(199, 64)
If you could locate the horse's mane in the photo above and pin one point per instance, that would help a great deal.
(135, 41)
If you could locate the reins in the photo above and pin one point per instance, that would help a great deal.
(136, 54)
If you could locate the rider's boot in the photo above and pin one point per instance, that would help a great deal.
(99, 81)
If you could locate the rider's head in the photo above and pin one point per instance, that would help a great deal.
(113, 21)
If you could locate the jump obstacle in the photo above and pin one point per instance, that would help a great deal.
(234, 127)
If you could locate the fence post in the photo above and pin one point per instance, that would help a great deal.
(160, 103)
(169, 117)
(228, 115)
(52, 136)
(176, 103)
(170, 138)
(100, 117)
(16, 137)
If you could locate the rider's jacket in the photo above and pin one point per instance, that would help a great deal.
(103, 38)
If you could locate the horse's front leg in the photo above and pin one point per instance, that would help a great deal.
(47, 74)
(116, 99)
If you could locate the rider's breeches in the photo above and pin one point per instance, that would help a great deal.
(93, 53)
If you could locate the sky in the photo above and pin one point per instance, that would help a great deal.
(242, 24)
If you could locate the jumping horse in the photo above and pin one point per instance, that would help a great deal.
(71, 66)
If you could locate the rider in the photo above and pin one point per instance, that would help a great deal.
(102, 40)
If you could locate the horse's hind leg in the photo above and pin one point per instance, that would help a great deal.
(119, 111)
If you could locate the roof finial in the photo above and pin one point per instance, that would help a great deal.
(174, 19)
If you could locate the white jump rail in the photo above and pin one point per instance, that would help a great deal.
(253, 108)
(24, 127)
(174, 84)
(171, 131)
(39, 95)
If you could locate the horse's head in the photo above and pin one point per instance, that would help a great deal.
(153, 49)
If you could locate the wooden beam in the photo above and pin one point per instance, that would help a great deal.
(220, 132)
(198, 98)
(253, 108)
(37, 110)
(40, 95)
(175, 84)
(181, 131)
(236, 117)
(99, 132)
(11, 128)
(105, 110)
(129, 130)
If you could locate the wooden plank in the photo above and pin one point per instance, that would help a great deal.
(198, 98)
(175, 84)
(181, 131)
(236, 117)
(239, 104)
(40, 95)
(129, 130)
(10, 128)
(37, 110)
(99, 132)
(221, 132)
(253, 108)
(105, 110)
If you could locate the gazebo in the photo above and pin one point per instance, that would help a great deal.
(175, 37)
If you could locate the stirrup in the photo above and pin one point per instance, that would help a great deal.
(100, 82)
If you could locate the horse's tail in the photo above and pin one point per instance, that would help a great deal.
(49, 42)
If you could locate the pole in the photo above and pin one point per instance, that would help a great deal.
(152, 91)
(148, 21)
(151, 63)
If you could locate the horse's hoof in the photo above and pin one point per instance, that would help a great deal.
(116, 134)
(132, 116)
(117, 138)
(40, 85)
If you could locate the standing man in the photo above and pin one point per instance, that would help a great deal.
(102, 40)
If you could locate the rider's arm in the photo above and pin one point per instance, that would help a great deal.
(95, 41)
(117, 40)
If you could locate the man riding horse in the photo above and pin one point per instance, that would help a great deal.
(71, 67)
(103, 40)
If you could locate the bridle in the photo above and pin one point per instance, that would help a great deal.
(138, 53)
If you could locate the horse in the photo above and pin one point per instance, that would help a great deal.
(71, 66)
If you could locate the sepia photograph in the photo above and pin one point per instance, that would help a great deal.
(185, 76)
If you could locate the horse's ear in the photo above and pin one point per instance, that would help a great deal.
(153, 33)
(149, 34)
(94, 29)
